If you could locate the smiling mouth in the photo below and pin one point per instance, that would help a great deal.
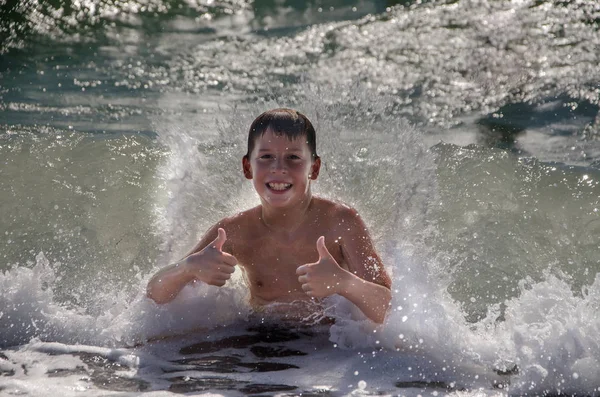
(279, 186)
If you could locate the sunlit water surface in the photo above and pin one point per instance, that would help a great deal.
(466, 133)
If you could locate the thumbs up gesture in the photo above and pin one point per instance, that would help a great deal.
(211, 265)
(322, 278)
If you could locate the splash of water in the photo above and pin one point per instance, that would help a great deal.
(376, 162)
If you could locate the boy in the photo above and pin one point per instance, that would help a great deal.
(277, 243)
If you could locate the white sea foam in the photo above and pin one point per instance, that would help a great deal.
(548, 337)
(30, 310)
(554, 334)
(548, 331)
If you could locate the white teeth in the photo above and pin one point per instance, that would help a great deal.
(279, 186)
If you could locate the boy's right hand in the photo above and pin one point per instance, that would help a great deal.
(211, 265)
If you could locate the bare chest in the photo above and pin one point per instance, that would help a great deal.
(270, 264)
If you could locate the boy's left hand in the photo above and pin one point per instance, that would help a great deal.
(322, 278)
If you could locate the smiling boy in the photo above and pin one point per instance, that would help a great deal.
(293, 246)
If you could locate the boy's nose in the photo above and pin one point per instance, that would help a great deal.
(278, 165)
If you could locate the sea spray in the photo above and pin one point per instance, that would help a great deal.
(201, 178)
(30, 310)
(428, 317)
(554, 334)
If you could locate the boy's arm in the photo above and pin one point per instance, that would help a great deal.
(206, 262)
(366, 284)
(372, 299)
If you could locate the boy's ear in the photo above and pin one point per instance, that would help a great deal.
(246, 167)
(314, 170)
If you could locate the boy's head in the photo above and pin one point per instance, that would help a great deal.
(286, 122)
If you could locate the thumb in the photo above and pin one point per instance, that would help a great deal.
(220, 240)
(322, 249)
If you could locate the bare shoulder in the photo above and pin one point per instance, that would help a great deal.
(239, 225)
(357, 248)
(337, 213)
(241, 219)
(236, 227)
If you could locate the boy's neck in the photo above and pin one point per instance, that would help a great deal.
(288, 219)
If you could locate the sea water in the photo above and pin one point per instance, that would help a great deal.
(464, 132)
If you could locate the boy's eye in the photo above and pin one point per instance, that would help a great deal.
(293, 157)
(266, 156)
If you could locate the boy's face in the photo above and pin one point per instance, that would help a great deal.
(281, 169)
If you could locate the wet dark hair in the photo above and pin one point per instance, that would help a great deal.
(286, 122)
